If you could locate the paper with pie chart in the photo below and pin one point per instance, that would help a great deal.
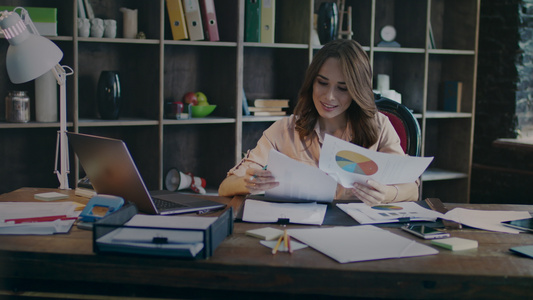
(348, 163)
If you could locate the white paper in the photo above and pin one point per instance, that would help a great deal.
(486, 219)
(360, 243)
(20, 210)
(388, 213)
(270, 212)
(172, 236)
(360, 164)
(298, 180)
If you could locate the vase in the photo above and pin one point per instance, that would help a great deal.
(109, 95)
(327, 23)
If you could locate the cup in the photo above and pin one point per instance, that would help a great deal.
(97, 27)
(110, 30)
(84, 27)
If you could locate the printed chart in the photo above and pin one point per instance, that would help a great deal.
(356, 163)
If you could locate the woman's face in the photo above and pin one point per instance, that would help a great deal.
(330, 94)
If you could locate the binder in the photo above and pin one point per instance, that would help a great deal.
(268, 21)
(252, 21)
(177, 20)
(194, 19)
(210, 20)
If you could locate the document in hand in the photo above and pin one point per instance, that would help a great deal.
(360, 243)
(349, 163)
(298, 180)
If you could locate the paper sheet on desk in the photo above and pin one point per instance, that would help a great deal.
(349, 163)
(388, 213)
(486, 219)
(19, 210)
(297, 213)
(298, 180)
(360, 243)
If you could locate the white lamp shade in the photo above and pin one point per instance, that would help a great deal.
(29, 56)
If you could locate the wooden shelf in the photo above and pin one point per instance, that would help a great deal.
(158, 69)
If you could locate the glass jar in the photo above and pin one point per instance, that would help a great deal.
(18, 107)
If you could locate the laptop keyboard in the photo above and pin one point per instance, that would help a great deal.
(164, 204)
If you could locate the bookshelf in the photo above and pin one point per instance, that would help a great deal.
(159, 69)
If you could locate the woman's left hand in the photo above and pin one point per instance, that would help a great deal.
(373, 193)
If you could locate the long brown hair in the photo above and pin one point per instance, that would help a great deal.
(358, 77)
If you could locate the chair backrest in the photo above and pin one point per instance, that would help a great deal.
(404, 122)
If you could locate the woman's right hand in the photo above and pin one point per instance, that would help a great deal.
(258, 180)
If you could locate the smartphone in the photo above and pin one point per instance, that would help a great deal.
(425, 232)
(523, 224)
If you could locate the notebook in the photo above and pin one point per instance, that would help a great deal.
(112, 171)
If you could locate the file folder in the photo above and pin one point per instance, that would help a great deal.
(252, 21)
(194, 20)
(210, 20)
(268, 20)
(177, 20)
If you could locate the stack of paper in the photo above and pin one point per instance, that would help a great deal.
(389, 213)
(167, 235)
(297, 213)
(37, 217)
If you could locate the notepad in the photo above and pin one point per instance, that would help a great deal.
(455, 243)
(267, 233)
(50, 196)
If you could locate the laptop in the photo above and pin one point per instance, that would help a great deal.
(111, 170)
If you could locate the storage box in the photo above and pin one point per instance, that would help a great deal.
(198, 239)
(44, 18)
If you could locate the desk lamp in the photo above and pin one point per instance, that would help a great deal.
(28, 57)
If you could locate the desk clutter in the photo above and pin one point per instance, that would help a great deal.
(119, 228)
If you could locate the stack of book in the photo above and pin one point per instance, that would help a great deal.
(269, 107)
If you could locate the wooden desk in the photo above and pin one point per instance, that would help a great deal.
(241, 267)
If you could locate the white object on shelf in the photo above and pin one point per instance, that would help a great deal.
(46, 98)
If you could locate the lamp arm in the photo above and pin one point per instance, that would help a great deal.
(25, 17)
(62, 144)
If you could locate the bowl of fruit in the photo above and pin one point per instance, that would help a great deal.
(198, 105)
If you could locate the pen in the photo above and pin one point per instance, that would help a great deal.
(264, 168)
(289, 243)
(277, 245)
(40, 219)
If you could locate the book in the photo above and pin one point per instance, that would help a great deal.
(268, 21)
(176, 16)
(455, 243)
(271, 103)
(269, 113)
(256, 109)
(452, 91)
(252, 21)
(210, 20)
(245, 107)
(194, 20)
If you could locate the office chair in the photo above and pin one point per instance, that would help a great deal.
(404, 122)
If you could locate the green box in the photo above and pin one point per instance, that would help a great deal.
(44, 18)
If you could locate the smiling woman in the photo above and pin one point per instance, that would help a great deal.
(336, 98)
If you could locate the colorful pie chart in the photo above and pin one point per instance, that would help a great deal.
(355, 163)
(387, 207)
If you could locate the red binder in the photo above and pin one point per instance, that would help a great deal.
(210, 20)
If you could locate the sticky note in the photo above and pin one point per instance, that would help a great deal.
(267, 233)
(455, 243)
(50, 196)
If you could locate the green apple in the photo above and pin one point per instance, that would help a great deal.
(202, 99)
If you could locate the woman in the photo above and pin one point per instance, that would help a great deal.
(336, 98)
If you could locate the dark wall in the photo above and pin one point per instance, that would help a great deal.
(503, 175)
